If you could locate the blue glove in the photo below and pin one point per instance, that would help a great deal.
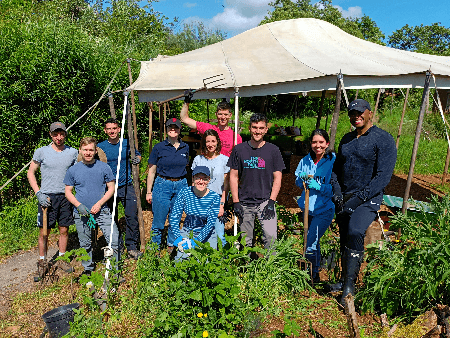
(83, 210)
(43, 199)
(184, 243)
(313, 184)
(351, 205)
(303, 175)
(269, 210)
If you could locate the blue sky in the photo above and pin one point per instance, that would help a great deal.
(237, 16)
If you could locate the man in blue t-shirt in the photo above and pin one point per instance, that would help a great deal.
(94, 185)
(125, 190)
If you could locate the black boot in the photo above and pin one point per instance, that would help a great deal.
(314, 258)
(336, 287)
(353, 260)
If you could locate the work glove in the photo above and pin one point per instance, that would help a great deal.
(269, 210)
(43, 199)
(184, 244)
(136, 160)
(303, 175)
(351, 205)
(313, 184)
(225, 217)
(338, 203)
(83, 210)
(188, 93)
(238, 210)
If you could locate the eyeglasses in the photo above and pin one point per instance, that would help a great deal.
(204, 179)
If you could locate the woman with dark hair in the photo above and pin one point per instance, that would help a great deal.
(319, 164)
(219, 177)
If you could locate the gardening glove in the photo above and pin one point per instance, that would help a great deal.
(269, 210)
(338, 203)
(184, 244)
(225, 217)
(43, 199)
(313, 184)
(136, 160)
(303, 175)
(83, 210)
(238, 210)
(351, 205)
(188, 95)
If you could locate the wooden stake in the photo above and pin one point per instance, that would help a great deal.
(351, 316)
(447, 160)
(337, 109)
(112, 110)
(319, 115)
(403, 116)
(426, 92)
(135, 172)
(133, 110)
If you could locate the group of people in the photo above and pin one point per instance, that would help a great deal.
(348, 185)
(94, 184)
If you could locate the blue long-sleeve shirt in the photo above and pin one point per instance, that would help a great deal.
(364, 165)
(201, 213)
(319, 200)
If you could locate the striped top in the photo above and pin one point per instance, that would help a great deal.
(201, 213)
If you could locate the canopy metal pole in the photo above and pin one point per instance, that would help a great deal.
(236, 124)
(135, 172)
(207, 109)
(111, 105)
(319, 115)
(401, 120)
(376, 104)
(161, 123)
(357, 92)
(426, 92)
(337, 109)
(150, 126)
(165, 119)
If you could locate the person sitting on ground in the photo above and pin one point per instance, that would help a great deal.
(94, 185)
(53, 161)
(319, 164)
(223, 114)
(201, 207)
(125, 190)
(219, 178)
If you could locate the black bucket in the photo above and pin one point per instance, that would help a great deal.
(57, 320)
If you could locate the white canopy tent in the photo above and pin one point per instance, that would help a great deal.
(291, 56)
(288, 57)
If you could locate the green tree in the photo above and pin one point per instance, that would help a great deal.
(430, 39)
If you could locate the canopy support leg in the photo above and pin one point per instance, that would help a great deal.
(236, 125)
(403, 117)
(319, 116)
(337, 109)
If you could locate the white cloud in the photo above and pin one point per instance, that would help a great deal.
(189, 4)
(351, 12)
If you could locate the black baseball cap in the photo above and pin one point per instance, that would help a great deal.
(57, 126)
(173, 121)
(359, 105)
(201, 169)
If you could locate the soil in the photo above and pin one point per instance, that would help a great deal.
(17, 271)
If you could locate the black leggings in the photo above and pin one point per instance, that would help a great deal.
(352, 228)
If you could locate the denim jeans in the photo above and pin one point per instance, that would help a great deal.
(220, 231)
(211, 239)
(317, 226)
(164, 194)
(103, 219)
(127, 196)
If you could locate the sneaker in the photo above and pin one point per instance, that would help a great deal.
(65, 266)
(135, 254)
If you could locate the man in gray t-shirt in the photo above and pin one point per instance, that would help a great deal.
(53, 161)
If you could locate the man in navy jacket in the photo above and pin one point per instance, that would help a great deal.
(363, 168)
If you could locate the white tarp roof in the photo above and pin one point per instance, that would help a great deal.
(287, 57)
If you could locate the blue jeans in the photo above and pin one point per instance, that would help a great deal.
(103, 220)
(164, 194)
(220, 231)
(317, 226)
(211, 239)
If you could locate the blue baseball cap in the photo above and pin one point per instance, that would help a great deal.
(201, 169)
(359, 105)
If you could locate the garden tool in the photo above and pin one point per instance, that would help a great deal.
(304, 263)
(43, 267)
(216, 81)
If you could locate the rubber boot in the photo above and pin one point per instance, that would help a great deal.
(353, 260)
(314, 258)
(337, 287)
